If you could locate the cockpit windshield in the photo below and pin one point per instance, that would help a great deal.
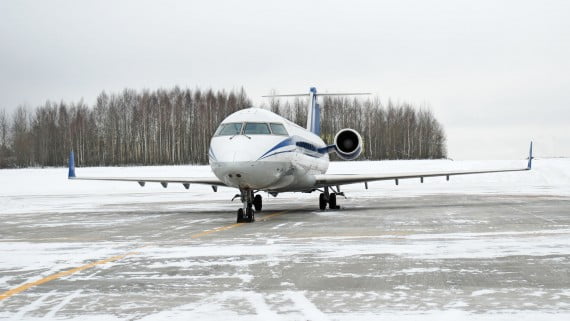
(229, 129)
(278, 129)
(232, 129)
(256, 129)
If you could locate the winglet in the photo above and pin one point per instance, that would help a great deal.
(71, 173)
(529, 166)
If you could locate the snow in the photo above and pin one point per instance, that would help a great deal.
(24, 191)
(482, 292)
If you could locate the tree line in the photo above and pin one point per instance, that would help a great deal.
(174, 126)
(391, 131)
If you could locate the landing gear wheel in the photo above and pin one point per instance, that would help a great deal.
(240, 218)
(249, 215)
(322, 202)
(257, 202)
(332, 202)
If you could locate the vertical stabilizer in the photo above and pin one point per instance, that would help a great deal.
(313, 113)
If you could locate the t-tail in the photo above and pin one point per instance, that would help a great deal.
(314, 108)
(314, 113)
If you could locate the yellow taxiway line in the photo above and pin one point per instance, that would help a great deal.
(59, 275)
(217, 229)
(52, 277)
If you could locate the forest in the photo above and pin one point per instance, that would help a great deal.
(174, 126)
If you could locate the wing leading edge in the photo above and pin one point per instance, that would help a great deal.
(321, 180)
(343, 179)
(164, 181)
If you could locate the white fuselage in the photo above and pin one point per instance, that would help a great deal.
(269, 162)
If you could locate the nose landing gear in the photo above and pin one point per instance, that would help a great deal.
(246, 214)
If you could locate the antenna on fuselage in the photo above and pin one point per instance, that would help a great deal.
(314, 109)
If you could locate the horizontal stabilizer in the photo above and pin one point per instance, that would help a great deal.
(327, 94)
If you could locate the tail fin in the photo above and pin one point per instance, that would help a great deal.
(314, 109)
(313, 113)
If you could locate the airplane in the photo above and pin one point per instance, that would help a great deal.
(256, 150)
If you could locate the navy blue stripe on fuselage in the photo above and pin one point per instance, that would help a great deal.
(305, 147)
(286, 142)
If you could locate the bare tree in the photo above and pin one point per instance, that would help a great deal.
(174, 126)
(5, 151)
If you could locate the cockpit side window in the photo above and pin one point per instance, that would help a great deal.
(278, 129)
(229, 129)
(256, 129)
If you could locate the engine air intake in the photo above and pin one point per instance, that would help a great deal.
(348, 144)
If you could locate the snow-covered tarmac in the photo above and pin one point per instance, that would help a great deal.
(478, 247)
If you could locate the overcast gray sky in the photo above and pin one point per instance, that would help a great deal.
(495, 73)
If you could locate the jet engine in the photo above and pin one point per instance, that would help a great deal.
(348, 144)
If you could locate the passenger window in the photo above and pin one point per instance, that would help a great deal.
(256, 129)
(229, 129)
(278, 129)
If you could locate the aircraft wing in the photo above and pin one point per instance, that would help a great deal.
(164, 181)
(342, 179)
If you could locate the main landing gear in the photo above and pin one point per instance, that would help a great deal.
(328, 198)
(246, 214)
(257, 202)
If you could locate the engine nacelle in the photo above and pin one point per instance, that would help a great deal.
(348, 144)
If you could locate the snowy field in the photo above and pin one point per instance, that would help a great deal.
(479, 247)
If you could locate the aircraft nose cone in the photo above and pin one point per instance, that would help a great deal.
(244, 156)
(238, 149)
(251, 174)
(235, 156)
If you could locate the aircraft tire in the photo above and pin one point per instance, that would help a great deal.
(322, 202)
(332, 201)
(257, 202)
(249, 215)
(240, 218)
